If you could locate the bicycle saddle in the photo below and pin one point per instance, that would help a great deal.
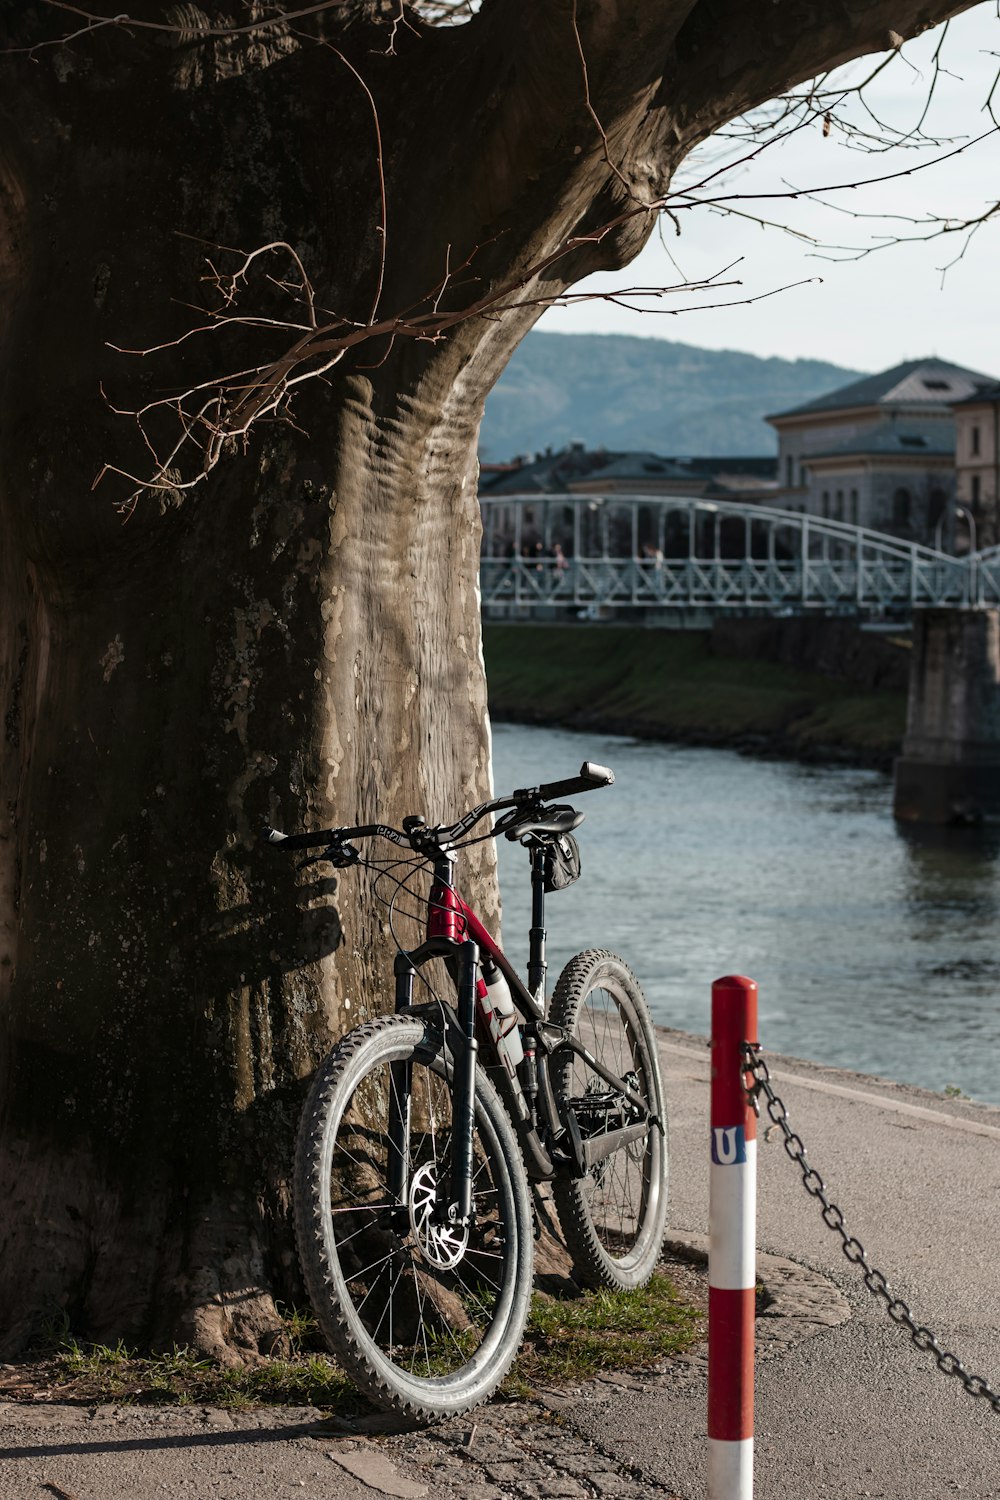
(544, 820)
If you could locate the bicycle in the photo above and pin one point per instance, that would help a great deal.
(423, 1129)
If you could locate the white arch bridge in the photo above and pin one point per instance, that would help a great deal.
(674, 552)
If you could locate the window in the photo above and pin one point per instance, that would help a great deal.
(975, 441)
(838, 514)
(937, 385)
(975, 492)
(790, 472)
(826, 504)
(854, 508)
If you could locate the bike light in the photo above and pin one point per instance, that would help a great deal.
(603, 775)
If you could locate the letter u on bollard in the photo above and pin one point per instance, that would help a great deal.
(732, 1224)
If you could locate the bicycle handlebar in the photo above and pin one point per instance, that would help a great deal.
(590, 778)
(332, 836)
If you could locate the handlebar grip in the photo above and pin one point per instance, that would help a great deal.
(591, 776)
(289, 841)
(325, 837)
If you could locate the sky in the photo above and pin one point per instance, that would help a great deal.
(865, 314)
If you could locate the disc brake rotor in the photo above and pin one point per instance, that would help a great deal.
(443, 1245)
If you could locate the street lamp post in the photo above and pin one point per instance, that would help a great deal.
(970, 521)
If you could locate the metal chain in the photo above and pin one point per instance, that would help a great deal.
(833, 1217)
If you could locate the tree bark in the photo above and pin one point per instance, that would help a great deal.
(296, 639)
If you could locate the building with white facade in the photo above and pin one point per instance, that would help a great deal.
(879, 452)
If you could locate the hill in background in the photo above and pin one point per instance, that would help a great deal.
(635, 394)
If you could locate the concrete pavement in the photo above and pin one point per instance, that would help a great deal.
(845, 1405)
(854, 1409)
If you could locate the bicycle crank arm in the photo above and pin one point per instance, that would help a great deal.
(618, 1084)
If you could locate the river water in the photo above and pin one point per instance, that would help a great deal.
(875, 947)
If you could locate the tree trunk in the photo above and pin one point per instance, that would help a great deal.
(297, 638)
(171, 981)
(297, 641)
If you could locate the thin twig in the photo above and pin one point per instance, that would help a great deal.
(174, 28)
(383, 226)
(588, 105)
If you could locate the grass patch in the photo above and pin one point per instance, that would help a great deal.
(671, 685)
(571, 1340)
(566, 1341)
(181, 1378)
(873, 722)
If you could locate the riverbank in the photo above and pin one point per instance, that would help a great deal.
(716, 688)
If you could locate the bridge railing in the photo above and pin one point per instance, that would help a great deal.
(724, 583)
(790, 560)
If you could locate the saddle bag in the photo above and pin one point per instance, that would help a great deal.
(562, 862)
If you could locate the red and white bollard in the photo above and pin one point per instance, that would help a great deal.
(732, 1222)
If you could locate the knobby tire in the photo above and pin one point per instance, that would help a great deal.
(614, 1218)
(426, 1317)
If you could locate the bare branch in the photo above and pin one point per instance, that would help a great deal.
(214, 413)
(298, 341)
(192, 28)
(431, 12)
(383, 225)
(687, 199)
(630, 191)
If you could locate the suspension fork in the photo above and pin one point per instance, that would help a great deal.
(446, 922)
(456, 1194)
(464, 1095)
(401, 1089)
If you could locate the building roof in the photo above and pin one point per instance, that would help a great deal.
(918, 382)
(757, 466)
(556, 473)
(904, 439)
(984, 393)
(642, 466)
(547, 473)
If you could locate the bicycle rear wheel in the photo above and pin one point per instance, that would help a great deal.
(614, 1218)
(425, 1315)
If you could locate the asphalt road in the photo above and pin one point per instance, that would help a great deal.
(845, 1410)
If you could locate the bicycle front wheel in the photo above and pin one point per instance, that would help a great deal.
(614, 1218)
(426, 1315)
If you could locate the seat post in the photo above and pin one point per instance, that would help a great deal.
(536, 933)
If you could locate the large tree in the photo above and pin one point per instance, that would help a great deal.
(276, 617)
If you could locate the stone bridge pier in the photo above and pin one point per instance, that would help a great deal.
(949, 771)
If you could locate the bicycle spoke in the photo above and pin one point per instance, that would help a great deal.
(426, 1297)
